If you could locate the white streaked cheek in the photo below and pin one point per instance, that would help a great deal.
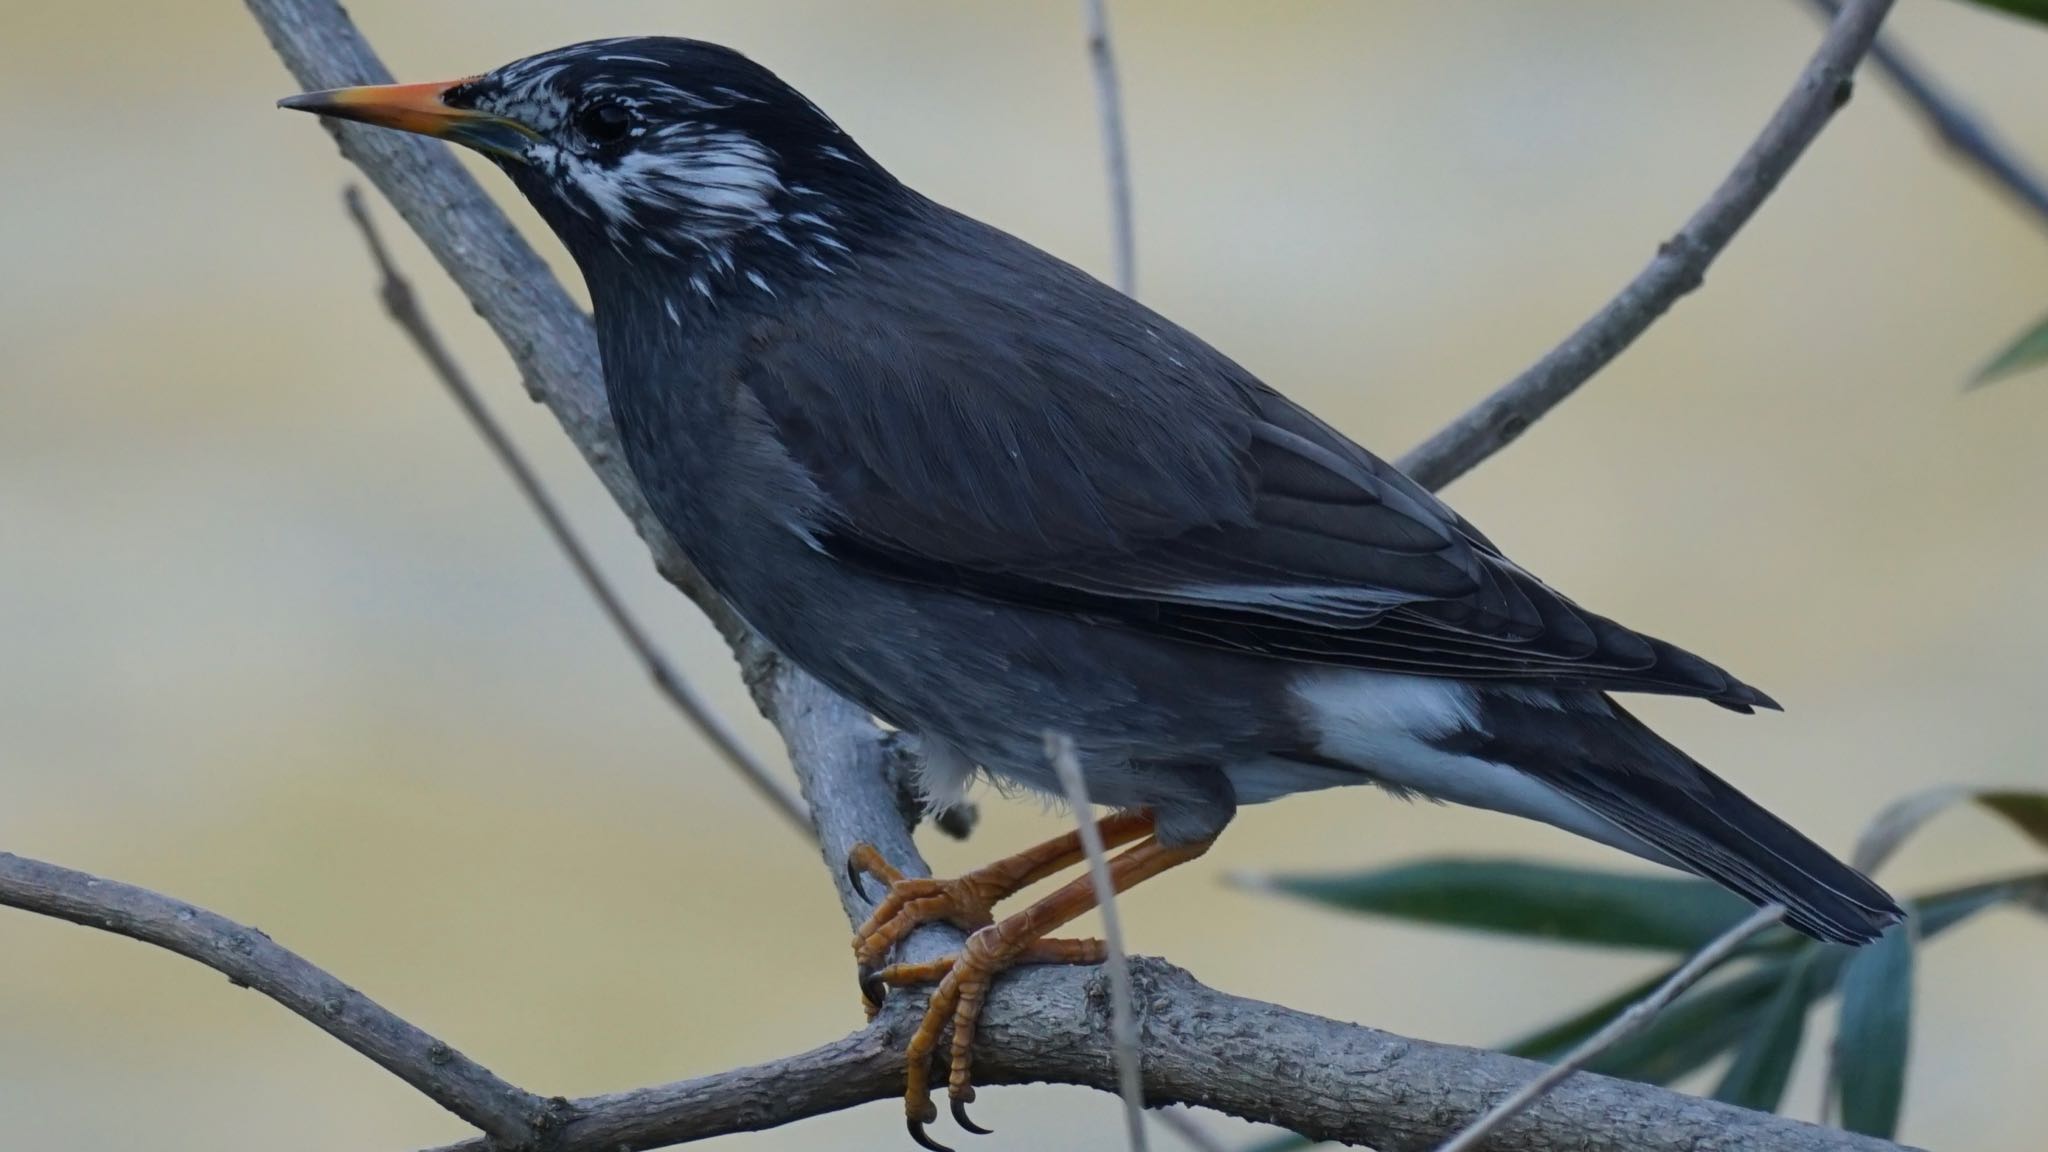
(609, 195)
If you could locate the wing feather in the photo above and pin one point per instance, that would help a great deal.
(1073, 451)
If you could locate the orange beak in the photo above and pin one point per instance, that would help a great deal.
(421, 109)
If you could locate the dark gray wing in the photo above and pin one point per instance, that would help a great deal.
(1028, 435)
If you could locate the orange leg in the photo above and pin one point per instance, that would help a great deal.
(967, 902)
(964, 979)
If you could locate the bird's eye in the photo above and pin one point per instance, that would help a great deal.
(605, 123)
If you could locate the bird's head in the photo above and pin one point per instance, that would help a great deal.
(653, 149)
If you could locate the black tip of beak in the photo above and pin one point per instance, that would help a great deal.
(420, 109)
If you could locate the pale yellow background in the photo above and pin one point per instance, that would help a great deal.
(276, 636)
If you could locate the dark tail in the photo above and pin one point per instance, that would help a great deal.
(1613, 764)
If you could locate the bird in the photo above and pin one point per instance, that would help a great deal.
(990, 498)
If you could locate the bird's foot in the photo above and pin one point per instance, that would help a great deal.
(963, 978)
(963, 983)
(908, 903)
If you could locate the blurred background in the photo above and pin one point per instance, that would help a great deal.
(278, 638)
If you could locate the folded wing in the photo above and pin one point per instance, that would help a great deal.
(1077, 453)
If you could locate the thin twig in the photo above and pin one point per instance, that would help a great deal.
(403, 306)
(1964, 132)
(1109, 104)
(511, 1116)
(1123, 1012)
(1630, 1021)
(1679, 266)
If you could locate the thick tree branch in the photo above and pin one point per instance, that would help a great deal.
(403, 306)
(555, 349)
(512, 1117)
(1679, 266)
(1324, 1078)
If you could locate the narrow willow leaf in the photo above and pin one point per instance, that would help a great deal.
(1763, 1062)
(1872, 1040)
(1899, 820)
(1522, 898)
(2029, 351)
(1700, 1026)
(1557, 1039)
(1934, 914)
(1940, 911)
(2032, 9)
(2026, 811)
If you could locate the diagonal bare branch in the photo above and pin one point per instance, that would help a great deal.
(1679, 266)
(403, 306)
(1116, 159)
(513, 1117)
(1974, 141)
(1630, 1021)
(1123, 1015)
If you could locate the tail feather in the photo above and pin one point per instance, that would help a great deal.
(1592, 750)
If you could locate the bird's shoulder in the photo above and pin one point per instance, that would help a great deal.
(976, 399)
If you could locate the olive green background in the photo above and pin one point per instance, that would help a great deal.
(278, 638)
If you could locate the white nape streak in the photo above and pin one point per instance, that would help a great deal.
(1382, 724)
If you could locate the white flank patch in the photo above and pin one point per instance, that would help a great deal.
(1382, 724)
(943, 774)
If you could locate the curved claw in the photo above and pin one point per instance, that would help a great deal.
(960, 1117)
(872, 985)
(858, 877)
(917, 1133)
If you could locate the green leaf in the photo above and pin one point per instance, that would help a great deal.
(2032, 9)
(1725, 1012)
(1522, 898)
(1938, 912)
(1699, 1026)
(2029, 351)
(1669, 1047)
(1763, 1064)
(2026, 811)
(1554, 1041)
(1872, 1039)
